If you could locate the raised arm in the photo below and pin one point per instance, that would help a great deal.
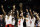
(37, 16)
(14, 8)
(17, 14)
(3, 10)
(31, 13)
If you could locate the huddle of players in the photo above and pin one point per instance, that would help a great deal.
(10, 18)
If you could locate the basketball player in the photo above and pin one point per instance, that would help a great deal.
(13, 21)
(27, 21)
(32, 21)
(4, 15)
(8, 19)
(20, 20)
(27, 12)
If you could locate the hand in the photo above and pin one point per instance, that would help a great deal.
(14, 7)
(1, 6)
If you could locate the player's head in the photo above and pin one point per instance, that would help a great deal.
(9, 13)
(21, 14)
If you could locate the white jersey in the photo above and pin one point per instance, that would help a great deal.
(20, 22)
(8, 21)
(33, 21)
(27, 22)
(39, 22)
(13, 21)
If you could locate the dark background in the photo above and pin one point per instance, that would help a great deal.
(33, 4)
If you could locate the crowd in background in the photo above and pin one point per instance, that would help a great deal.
(18, 18)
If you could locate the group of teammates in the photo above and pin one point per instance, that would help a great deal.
(29, 19)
